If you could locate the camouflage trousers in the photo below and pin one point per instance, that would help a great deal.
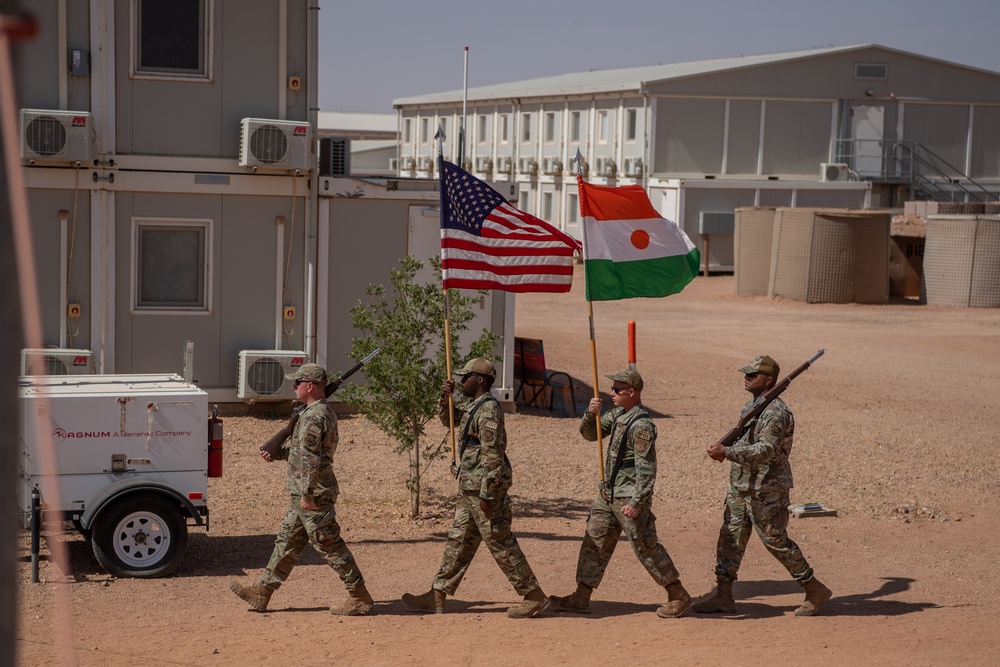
(767, 513)
(470, 528)
(604, 526)
(319, 527)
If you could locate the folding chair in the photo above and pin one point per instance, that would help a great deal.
(529, 368)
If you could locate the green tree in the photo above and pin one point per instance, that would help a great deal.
(404, 380)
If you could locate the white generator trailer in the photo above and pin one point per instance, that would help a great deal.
(126, 458)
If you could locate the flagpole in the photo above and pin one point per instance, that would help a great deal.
(439, 135)
(461, 122)
(593, 339)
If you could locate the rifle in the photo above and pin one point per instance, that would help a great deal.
(763, 401)
(273, 446)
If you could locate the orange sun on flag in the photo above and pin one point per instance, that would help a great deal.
(640, 239)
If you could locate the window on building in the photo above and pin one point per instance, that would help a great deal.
(525, 127)
(871, 71)
(425, 124)
(602, 126)
(573, 209)
(547, 206)
(443, 126)
(407, 130)
(171, 262)
(522, 201)
(481, 129)
(631, 120)
(503, 128)
(550, 127)
(171, 39)
(574, 126)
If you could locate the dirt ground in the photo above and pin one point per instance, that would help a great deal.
(896, 429)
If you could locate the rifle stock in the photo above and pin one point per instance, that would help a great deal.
(273, 445)
(763, 401)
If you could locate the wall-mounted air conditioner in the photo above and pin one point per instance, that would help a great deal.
(484, 164)
(393, 164)
(552, 166)
(56, 361)
(606, 167)
(277, 144)
(425, 163)
(633, 167)
(504, 164)
(56, 136)
(261, 374)
(407, 164)
(833, 171)
(334, 156)
(527, 165)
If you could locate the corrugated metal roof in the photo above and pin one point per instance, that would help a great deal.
(630, 79)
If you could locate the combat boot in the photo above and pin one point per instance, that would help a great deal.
(533, 602)
(816, 595)
(678, 601)
(432, 601)
(359, 603)
(721, 601)
(579, 601)
(256, 594)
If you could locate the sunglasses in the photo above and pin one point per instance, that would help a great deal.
(619, 390)
(298, 382)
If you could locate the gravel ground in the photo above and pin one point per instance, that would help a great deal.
(895, 429)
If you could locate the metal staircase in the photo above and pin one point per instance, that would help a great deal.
(928, 175)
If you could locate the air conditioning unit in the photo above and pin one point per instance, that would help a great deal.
(504, 164)
(56, 361)
(425, 163)
(393, 164)
(484, 164)
(527, 165)
(633, 167)
(606, 167)
(261, 374)
(57, 136)
(552, 166)
(407, 164)
(334, 156)
(467, 165)
(276, 144)
(834, 171)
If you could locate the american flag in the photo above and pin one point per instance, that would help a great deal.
(488, 244)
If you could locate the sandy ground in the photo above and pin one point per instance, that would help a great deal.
(893, 430)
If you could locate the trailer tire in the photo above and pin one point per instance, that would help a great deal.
(142, 535)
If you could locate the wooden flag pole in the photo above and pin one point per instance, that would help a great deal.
(440, 136)
(593, 340)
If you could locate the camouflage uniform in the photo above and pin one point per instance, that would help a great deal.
(484, 473)
(632, 485)
(759, 479)
(309, 453)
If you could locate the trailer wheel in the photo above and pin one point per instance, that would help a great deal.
(141, 535)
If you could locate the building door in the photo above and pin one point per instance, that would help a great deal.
(867, 126)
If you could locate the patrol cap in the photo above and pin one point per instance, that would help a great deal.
(763, 364)
(629, 377)
(480, 365)
(309, 373)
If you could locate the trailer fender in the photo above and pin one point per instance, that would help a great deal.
(132, 485)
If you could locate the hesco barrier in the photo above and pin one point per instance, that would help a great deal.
(962, 261)
(752, 250)
(830, 255)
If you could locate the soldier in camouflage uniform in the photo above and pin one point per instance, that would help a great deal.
(625, 503)
(482, 512)
(310, 516)
(759, 481)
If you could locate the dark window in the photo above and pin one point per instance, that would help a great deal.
(877, 71)
(171, 266)
(170, 36)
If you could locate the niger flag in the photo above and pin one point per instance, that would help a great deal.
(629, 250)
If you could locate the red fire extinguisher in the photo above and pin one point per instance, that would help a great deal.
(215, 444)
